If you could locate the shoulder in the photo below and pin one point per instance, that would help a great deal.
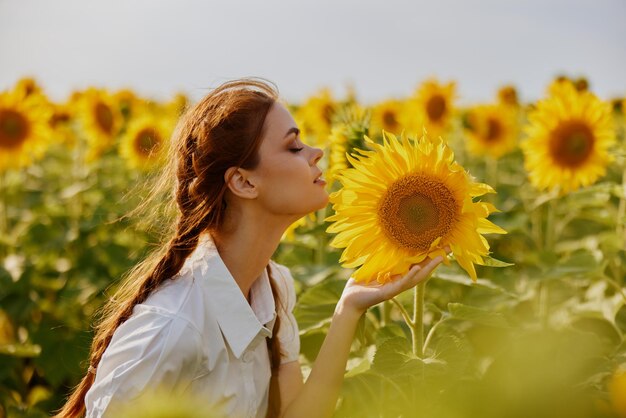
(152, 336)
(179, 297)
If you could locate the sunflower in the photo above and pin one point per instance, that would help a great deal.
(493, 130)
(337, 156)
(144, 145)
(26, 87)
(24, 129)
(405, 201)
(569, 135)
(101, 120)
(430, 109)
(129, 104)
(507, 95)
(61, 123)
(386, 116)
(177, 105)
(315, 116)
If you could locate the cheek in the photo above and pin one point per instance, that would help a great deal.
(288, 187)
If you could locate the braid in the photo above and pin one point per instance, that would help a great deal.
(274, 349)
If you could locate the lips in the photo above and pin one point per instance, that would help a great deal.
(319, 179)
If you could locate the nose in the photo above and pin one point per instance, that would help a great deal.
(316, 155)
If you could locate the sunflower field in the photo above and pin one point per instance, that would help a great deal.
(525, 318)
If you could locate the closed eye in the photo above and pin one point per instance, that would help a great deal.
(295, 150)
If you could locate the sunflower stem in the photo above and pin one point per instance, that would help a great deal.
(417, 330)
(403, 312)
(535, 225)
(4, 216)
(492, 172)
(620, 228)
(544, 306)
(431, 332)
(385, 311)
(320, 254)
(550, 225)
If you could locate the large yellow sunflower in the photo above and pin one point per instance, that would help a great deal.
(431, 108)
(492, 130)
(404, 201)
(144, 145)
(24, 129)
(102, 120)
(386, 116)
(569, 136)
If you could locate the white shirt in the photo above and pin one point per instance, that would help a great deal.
(198, 334)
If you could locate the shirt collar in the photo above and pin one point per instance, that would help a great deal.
(239, 321)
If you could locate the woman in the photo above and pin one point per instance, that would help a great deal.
(211, 314)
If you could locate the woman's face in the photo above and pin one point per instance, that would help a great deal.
(287, 175)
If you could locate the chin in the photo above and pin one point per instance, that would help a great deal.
(323, 202)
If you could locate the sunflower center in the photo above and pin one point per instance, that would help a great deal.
(436, 107)
(14, 128)
(147, 141)
(59, 118)
(390, 121)
(571, 143)
(416, 210)
(104, 117)
(494, 130)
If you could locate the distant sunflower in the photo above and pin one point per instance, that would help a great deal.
(431, 108)
(144, 145)
(26, 87)
(507, 95)
(405, 201)
(493, 130)
(337, 162)
(61, 123)
(316, 116)
(24, 130)
(569, 136)
(102, 120)
(129, 104)
(386, 116)
(177, 105)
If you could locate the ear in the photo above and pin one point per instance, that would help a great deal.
(239, 182)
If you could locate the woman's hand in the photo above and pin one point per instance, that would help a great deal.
(359, 297)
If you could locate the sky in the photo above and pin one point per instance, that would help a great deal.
(382, 49)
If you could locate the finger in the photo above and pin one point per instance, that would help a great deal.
(424, 271)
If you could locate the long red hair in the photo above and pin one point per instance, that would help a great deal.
(222, 130)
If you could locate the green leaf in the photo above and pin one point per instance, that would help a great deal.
(316, 305)
(478, 315)
(595, 323)
(579, 263)
(391, 355)
(493, 262)
(466, 281)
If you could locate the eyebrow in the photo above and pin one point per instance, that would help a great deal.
(292, 130)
